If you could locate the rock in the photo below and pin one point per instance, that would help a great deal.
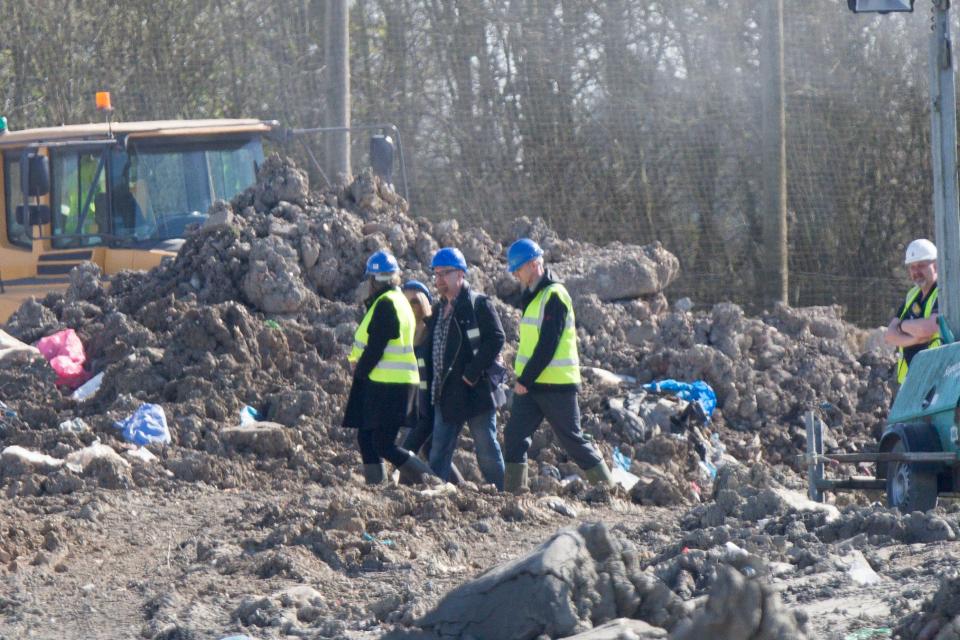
(265, 439)
(575, 579)
(622, 629)
(741, 609)
(620, 272)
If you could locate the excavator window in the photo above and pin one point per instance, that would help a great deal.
(17, 234)
(80, 183)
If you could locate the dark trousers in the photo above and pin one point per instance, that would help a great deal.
(383, 415)
(561, 410)
(421, 435)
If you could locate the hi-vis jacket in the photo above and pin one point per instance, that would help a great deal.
(911, 309)
(562, 365)
(398, 365)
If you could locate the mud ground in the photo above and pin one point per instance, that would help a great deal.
(269, 532)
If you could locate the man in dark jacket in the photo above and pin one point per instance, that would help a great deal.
(548, 372)
(466, 336)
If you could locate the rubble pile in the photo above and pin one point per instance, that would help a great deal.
(259, 306)
(255, 315)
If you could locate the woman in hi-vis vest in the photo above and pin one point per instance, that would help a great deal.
(385, 375)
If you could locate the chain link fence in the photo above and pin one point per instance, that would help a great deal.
(612, 120)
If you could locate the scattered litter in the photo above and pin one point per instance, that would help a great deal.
(14, 454)
(557, 504)
(570, 479)
(89, 388)
(445, 489)
(147, 425)
(867, 634)
(860, 570)
(249, 415)
(6, 411)
(64, 351)
(141, 453)
(610, 378)
(387, 542)
(734, 552)
(272, 324)
(699, 392)
(624, 478)
(74, 425)
(77, 461)
(621, 460)
(10, 346)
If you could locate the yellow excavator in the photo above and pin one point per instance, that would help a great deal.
(117, 194)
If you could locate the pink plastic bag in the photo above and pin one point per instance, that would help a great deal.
(64, 351)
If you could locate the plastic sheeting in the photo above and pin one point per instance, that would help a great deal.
(64, 351)
(147, 425)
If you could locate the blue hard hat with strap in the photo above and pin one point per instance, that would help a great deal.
(380, 263)
(449, 257)
(521, 252)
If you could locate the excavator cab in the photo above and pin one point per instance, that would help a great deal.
(121, 195)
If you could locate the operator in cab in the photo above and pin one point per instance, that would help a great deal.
(915, 328)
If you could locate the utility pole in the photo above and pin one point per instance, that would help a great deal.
(338, 86)
(943, 134)
(775, 270)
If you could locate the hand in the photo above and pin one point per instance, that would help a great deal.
(519, 389)
(467, 381)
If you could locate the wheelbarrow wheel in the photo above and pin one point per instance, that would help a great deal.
(910, 490)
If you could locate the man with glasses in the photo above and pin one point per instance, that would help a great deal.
(466, 336)
(914, 328)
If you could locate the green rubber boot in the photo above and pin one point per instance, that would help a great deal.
(374, 473)
(599, 474)
(515, 477)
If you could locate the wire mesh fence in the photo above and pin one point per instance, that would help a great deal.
(625, 120)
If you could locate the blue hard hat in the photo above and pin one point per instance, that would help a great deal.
(380, 263)
(449, 257)
(416, 285)
(521, 252)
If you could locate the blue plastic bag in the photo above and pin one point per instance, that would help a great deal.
(249, 415)
(699, 392)
(621, 460)
(147, 425)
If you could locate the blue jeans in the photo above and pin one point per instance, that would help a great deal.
(483, 428)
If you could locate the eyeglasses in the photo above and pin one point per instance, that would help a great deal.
(440, 273)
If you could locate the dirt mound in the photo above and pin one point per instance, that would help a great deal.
(939, 616)
(258, 310)
(259, 306)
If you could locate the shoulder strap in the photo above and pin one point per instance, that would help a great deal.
(911, 297)
(473, 333)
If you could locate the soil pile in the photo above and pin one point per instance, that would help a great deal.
(259, 306)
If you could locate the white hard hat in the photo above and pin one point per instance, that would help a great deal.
(920, 250)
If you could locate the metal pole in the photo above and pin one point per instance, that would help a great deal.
(776, 276)
(338, 86)
(943, 116)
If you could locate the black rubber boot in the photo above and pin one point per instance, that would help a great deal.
(374, 473)
(413, 470)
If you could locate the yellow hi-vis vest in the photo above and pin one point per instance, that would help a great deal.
(912, 296)
(398, 364)
(564, 368)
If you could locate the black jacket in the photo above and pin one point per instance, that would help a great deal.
(384, 326)
(458, 401)
(554, 321)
